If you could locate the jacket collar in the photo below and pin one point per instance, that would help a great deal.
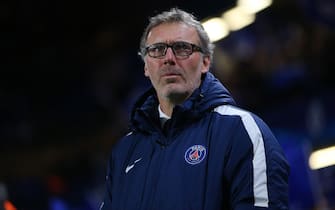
(210, 94)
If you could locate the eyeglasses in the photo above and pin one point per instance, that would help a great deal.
(180, 49)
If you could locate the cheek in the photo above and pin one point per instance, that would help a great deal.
(195, 69)
(150, 73)
(151, 69)
(147, 66)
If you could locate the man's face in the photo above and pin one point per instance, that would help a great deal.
(173, 77)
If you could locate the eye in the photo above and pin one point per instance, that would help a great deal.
(156, 48)
(182, 48)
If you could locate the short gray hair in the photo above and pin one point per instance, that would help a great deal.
(176, 15)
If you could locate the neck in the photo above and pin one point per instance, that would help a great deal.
(168, 103)
(166, 107)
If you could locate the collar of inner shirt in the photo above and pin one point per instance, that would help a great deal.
(162, 116)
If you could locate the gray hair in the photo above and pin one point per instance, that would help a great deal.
(176, 15)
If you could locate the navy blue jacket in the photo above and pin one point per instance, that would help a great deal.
(214, 156)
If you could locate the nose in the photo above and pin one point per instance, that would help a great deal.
(169, 57)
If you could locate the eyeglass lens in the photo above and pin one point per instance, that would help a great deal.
(180, 49)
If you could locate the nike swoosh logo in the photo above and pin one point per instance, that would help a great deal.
(129, 167)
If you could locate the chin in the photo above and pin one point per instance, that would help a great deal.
(176, 95)
(173, 89)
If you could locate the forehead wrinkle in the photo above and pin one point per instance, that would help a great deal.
(161, 33)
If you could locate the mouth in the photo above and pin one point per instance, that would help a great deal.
(170, 75)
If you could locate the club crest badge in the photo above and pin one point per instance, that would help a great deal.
(195, 154)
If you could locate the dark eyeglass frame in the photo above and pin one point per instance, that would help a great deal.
(150, 50)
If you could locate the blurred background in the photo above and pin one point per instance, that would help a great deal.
(70, 73)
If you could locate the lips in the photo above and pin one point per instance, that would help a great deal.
(171, 77)
(170, 72)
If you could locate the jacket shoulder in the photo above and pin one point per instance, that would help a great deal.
(250, 120)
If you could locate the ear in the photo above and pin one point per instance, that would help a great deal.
(206, 62)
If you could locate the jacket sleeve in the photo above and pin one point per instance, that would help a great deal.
(107, 202)
(256, 169)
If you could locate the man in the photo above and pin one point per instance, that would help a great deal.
(189, 146)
